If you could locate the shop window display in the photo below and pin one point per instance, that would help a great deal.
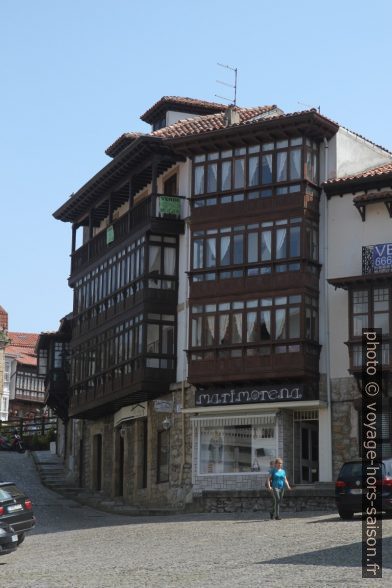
(236, 449)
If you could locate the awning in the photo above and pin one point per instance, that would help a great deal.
(129, 413)
(224, 421)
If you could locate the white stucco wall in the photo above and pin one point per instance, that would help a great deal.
(346, 236)
(356, 154)
(172, 116)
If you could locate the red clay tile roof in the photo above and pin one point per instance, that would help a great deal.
(23, 347)
(207, 123)
(373, 172)
(122, 142)
(182, 101)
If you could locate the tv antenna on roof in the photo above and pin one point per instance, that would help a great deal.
(234, 86)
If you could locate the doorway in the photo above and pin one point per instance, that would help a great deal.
(309, 450)
(120, 463)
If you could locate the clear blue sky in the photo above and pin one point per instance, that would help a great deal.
(75, 74)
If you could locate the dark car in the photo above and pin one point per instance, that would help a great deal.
(16, 509)
(349, 488)
(8, 539)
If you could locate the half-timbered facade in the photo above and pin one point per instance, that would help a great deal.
(200, 348)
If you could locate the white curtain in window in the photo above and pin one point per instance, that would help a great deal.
(211, 252)
(281, 162)
(265, 317)
(281, 243)
(251, 333)
(225, 253)
(223, 328)
(280, 322)
(237, 328)
(155, 259)
(266, 245)
(169, 261)
(210, 330)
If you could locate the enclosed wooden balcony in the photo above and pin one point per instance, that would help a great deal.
(156, 213)
(99, 396)
(294, 360)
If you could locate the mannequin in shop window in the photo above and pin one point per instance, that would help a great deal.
(216, 447)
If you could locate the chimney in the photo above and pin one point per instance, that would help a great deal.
(3, 319)
(231, 116)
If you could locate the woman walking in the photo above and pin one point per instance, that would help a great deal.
(276, 483)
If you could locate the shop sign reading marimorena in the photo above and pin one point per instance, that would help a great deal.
(215, 396)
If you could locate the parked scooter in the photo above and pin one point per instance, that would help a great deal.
(16, 443)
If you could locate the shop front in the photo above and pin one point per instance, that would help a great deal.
(238, 432)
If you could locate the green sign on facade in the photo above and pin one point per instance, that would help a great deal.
(109, 235)
(169, 205)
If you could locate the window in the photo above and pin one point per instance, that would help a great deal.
(254, 325)
(234, 448)
(370, 308)
(163, 457)
(283, 161)
(254, 247)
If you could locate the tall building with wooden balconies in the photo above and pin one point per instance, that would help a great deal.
(201, 347)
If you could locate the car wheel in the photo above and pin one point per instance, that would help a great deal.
(346, 514)
(21, 538)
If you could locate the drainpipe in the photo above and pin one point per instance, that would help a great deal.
(186, 313)
(326, 313)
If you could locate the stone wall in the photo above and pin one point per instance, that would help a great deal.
(297, 500)
(344, 392)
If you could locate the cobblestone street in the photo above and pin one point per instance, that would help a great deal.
(75, 546)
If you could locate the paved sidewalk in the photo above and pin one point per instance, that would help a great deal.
(52, 473)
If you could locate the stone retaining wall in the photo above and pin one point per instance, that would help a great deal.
(297, 500)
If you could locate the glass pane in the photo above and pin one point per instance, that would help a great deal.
(236, 328)
(155, 259)
(295, 241)
(281, 166)
(280, 323)
(295, 164)
(253, 171)
(281, 243)
(198, 246)
(252, 247)
(168, 339)
(266, 246)
(212, 177)
(294, 322)
(225, 250)
(199, 180)
(169, 261)
(381, 321)
(381, 299)
(196, 332)
(239, 168)
(360, 301)
(209, 330)
(211, 252)
(226, 175)
(265, 325)
(224, 334)
(251, 327)
(360, 321)
(266, 169)
(152, 338)
(238, 249)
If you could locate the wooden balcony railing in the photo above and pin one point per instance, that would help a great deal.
(148, 210)
(296, 359)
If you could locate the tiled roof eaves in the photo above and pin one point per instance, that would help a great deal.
(259, 122)
(103, 174)
(180, 101)
(119, 144)
(379, 175)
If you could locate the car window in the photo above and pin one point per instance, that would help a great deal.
(13, 490)
(4, 495)
(353, 471)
